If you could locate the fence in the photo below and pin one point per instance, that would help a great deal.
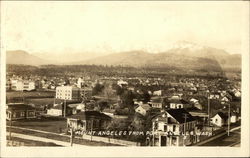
(111, 140)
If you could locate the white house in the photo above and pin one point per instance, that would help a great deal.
(219, 119)
(193, 100)
(55, 110)
(170, 126)
(142, 109)
(22, 85)
(237, 93)
(158, 93)
(80, 82)
(77, 107)
(156, 103)
(121, 83)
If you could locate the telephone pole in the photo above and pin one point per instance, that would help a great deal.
(208, 109)
(185, 121)
(10, 126)
(71, 136)
(91, 129)
(64, 109)
(229, 120)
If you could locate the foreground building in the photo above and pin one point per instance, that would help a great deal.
(173, 127)
(20, 111)
(88, 121)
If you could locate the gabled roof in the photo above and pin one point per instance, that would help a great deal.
(145, 106)
(222, 115)
(84, 115)
(179, 115)
(59, 107)
(156, 100)
(178, 101)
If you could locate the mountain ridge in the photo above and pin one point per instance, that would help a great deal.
(186, 56)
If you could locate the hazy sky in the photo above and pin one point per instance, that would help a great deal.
(84, 26)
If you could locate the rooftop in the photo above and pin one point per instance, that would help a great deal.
(84, 115)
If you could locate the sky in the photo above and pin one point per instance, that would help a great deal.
(113, 26)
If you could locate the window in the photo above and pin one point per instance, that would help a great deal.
(165, 128)
(22, 114)
(30, 113)
(174, 128)
(169, 120)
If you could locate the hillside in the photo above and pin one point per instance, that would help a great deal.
(22, 57)
(183, 55)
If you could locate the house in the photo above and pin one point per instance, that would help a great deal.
(173, 127)
(156, 103)
(219, 119)
(142, 109)
(77, 107)
(193, 100)
(196, 103)
(137, 102)
(237, 93)
(179, 103)
(20, 111)
(88, 121)
(234, 117)
(22, 85)
(224, 100)
(158, 93)
(80, 82)
(68, 93)
(214, 95)
(122, 83)
(58, 109)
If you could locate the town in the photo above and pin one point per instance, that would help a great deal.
(121, 110)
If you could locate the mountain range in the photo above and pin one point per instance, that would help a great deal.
(184, 55)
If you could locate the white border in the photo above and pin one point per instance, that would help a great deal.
(139, 151)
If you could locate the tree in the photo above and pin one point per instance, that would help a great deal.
(97, 89)
(127, 100)
(146, 97)
(108, 92)
(102, 105)
(119, 90)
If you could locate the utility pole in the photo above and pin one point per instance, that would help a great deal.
(71, 136)
(208, 109)
(91, 129)
(10, 126)
(153, 127)
(185, 121)
(229, 120)
(64, 113)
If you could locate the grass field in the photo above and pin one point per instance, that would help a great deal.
(34, 94)
(55, 125)
(64, 138)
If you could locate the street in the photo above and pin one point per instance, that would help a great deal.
(232, 140)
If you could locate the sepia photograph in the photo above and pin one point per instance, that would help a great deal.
(153, 78)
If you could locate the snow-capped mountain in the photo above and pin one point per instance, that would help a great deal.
(183, 55)
(187, 45)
